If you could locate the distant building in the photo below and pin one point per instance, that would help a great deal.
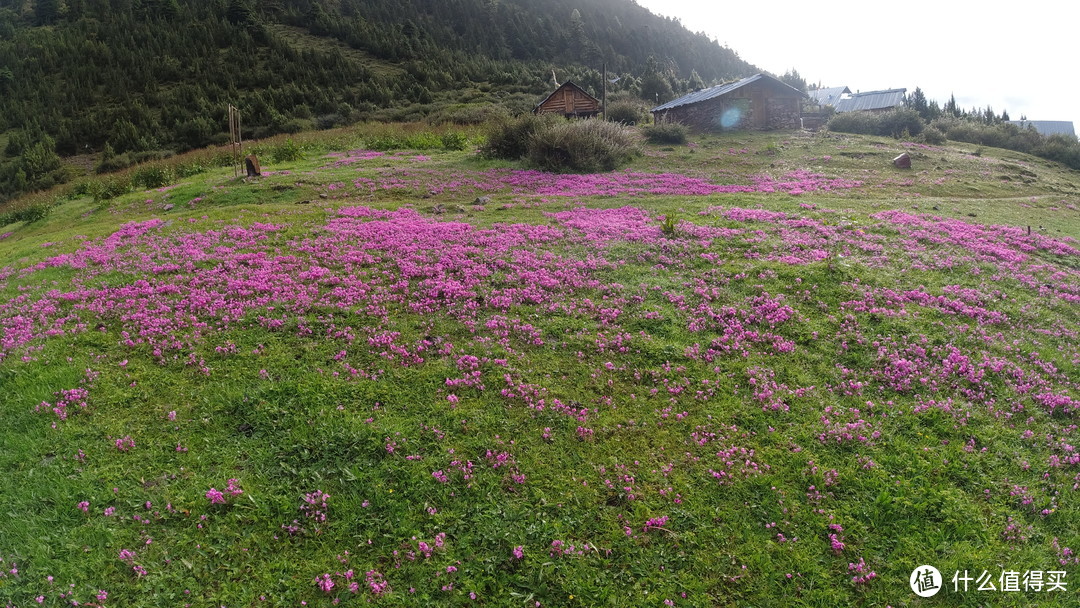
(828, 96)
(871, 101)
(1047, 127)
(571, 101)
(757, 102)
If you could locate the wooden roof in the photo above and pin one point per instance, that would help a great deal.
(569, 99)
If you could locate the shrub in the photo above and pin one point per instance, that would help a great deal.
(932, 135)
(27, 213)
(414, 141)
(667, 133)
(154, 175)
(466, 114)
(669, 226)
(627, 112)
(899, 122)
(109, 187)
(904, 122)
(287, 152)
(584, 146)
(508, 138)
(111, 163)
(862, 123)
(453, 140)
(1062, 149)
(114, 163)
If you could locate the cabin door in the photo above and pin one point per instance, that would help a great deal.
(759, 111)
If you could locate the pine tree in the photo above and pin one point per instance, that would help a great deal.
(792, 77)
(917, 101)
(238, 12)
(654, 85)
(695, 83)
(951, 107)
(46, 12)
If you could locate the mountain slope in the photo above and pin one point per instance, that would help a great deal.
(140, 75)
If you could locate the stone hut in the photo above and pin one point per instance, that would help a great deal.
(571, 101)
(759, 102)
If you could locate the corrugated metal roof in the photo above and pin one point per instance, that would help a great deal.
(872, 100)
(828, 96)
(1047, 127)
(717, 91)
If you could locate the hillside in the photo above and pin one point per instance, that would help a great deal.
(389, 372)
(147, 76)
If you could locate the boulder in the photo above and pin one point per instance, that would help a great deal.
(902, 162)
(253, 168)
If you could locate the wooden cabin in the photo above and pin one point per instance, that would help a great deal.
(758, 102)
(571, 101)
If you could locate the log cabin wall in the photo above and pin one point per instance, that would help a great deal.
(570, 100)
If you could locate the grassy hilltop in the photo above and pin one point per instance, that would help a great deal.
(755, 370)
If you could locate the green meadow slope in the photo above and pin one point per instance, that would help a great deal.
(755, 370)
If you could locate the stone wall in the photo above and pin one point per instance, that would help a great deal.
(783, 112)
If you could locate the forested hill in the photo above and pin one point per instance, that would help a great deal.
(86, 76)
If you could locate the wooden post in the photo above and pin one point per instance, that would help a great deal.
(236, 140)
(603, 99)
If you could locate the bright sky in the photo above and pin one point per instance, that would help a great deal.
(1019, 57)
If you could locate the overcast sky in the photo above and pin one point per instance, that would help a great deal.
(1020, 57)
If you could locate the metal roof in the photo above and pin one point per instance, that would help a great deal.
(717, 91)
(828, 96)
(1047, 127)
(872, 100)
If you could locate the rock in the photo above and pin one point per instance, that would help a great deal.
(482, 200)
(902, 162)
(168, 207)
(253, 168)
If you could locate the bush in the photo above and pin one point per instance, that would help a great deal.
(627, 112)
(454, 140)
(114, 163)
(155, 175)
(667, 133)
(583, 146)
(28, 213)
(109, 187)
(466, 114)
(1059, 148)
(862, 123)
(900, 122)
(903, 122)
(287, 152)
(933, 136)
(508, 138)
(111, 163)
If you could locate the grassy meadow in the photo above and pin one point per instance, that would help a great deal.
(754, 370)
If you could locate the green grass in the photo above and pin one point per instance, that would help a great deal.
(280, 413)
